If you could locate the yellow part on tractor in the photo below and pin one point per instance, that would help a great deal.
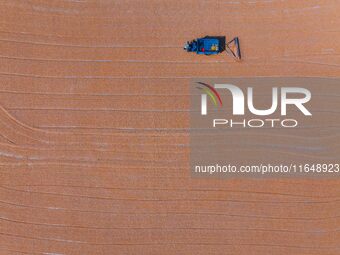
(214, 47)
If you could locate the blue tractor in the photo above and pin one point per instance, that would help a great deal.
(213, 45)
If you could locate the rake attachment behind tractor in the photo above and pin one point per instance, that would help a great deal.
(233, 48)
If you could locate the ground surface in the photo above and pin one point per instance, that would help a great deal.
(93, 118)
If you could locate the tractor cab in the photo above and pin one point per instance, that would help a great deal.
(204, 46)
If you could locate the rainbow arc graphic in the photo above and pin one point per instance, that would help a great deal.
(213, 95)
